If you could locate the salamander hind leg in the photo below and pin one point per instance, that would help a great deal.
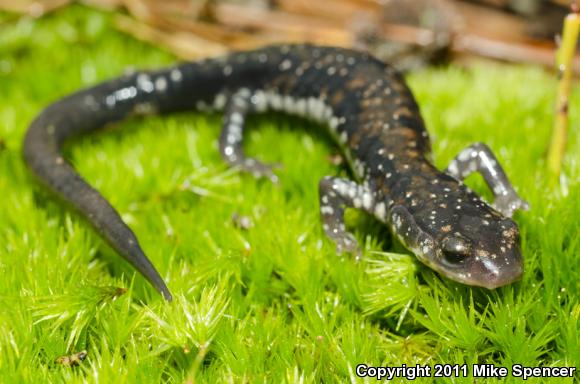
(479, 158)
(230, 141)
(335, 194)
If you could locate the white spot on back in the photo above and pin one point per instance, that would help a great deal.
(219, 101)
(285, 65)
(176, 75)
(144, 82)
(161, 84)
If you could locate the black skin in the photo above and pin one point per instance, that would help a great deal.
(369, 111)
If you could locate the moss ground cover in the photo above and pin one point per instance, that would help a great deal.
(273, 303)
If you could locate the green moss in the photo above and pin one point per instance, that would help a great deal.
(275, 302)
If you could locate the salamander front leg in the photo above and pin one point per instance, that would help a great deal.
(479, 158)
(230, 142)
(335, 194)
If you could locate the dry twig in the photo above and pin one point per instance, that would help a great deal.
(34, 8)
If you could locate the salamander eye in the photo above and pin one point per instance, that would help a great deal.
(453, 257)
(455, 249)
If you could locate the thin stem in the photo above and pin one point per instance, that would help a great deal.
(564, 64)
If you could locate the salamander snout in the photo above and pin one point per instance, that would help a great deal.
(493, 273)
(491, 261)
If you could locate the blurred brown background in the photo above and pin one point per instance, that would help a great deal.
(408, 33)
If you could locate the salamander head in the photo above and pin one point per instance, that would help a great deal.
(488, 256)
(472, 244)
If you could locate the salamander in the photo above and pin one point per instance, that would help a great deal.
(369, 112)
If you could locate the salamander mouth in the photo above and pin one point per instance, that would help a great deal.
(490, 274)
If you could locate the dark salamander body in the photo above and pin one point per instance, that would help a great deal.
(369, 111)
